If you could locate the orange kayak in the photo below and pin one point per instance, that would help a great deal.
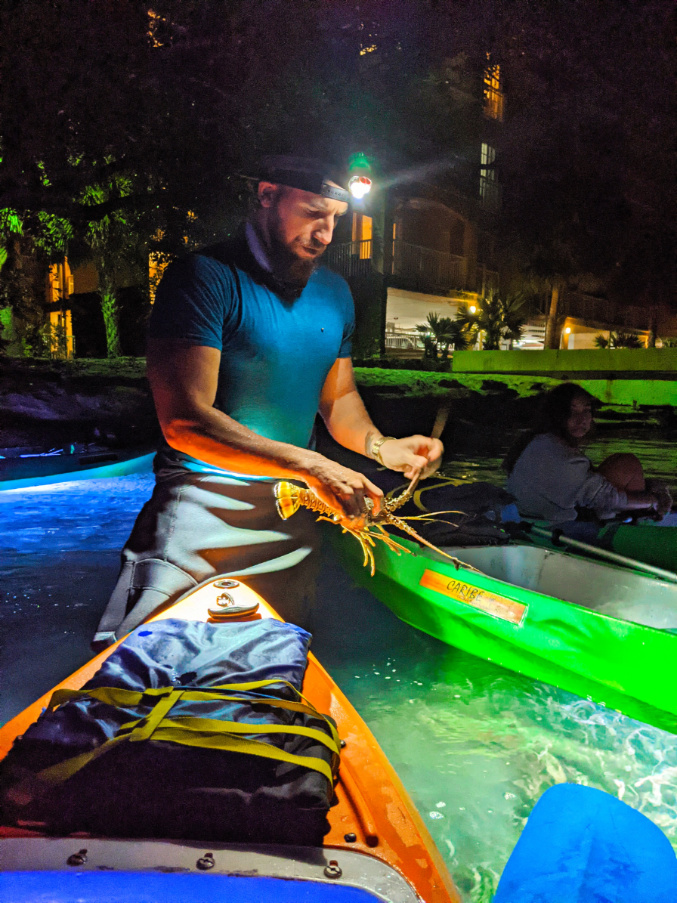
(377, 841)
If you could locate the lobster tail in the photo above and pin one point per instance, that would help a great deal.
(288, 499)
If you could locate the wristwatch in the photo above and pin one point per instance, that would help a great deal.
(376, 448)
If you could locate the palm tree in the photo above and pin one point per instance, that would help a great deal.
(441, 335)
(514, 318)
(619, 339)
(499, 319)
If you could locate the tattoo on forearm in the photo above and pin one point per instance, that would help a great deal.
(368, 442)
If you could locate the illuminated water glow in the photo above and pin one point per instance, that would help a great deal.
(475, 745)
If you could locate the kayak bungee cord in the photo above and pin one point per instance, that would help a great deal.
(291, 497)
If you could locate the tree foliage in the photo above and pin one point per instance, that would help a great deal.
(618, 339)
(181, 98)
(177, 99)
(497, 319)
(587, 154)
(441, 336)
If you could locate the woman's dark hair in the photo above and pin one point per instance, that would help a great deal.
(552, 418)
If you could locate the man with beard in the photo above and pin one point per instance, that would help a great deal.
(248, 340)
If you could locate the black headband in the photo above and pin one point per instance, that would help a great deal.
(308, 175)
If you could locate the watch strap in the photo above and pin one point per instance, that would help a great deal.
(376, 448)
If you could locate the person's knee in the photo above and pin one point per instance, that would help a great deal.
(624, 471)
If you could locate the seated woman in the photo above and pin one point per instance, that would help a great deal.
(551, 479)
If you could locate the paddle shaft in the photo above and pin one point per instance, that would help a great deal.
(441, 418)
(437, 430)
(605, 553)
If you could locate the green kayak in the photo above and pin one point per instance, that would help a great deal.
(651, 543)
(643, 542)
(600, 631)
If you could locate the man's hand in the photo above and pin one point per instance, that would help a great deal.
(345, 491)
(412, 455)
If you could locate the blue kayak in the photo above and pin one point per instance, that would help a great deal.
(25, 471)
(141, 887)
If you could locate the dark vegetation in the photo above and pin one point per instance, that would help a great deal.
(50, 403)
(124, 131)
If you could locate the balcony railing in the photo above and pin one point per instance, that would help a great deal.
(603, 312)
(424, 267)
(427, 266)
(396, 342)
(403, 342)
(351, 258)
(487, 281)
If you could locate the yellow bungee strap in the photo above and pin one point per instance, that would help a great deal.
(206, 733)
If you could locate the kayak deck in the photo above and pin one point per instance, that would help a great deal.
(103, 869)
(373, 814)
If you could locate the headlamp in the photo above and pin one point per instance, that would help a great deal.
(319, 177)
(359, 171)
(308, 175)
(359, 186)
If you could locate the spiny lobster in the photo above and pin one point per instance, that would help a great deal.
(291, 497)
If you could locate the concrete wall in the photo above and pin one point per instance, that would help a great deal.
(624, 376)
(406, 310)
(570, 363)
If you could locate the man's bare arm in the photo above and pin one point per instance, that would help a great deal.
(348, 421)
(343, 410)
(183, 380)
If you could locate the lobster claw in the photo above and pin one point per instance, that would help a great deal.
(288, 499)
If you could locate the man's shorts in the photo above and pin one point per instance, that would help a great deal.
(197, 525)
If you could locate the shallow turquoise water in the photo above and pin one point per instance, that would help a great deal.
(475, 745)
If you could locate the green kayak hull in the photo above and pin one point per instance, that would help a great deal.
(614, 661)
(645, 542)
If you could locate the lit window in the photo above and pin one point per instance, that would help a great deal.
(155, 26)
(493, 93)
(488, 158)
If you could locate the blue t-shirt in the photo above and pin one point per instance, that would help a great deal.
(275, 352)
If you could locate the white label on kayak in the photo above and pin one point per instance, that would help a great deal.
(496, 606)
